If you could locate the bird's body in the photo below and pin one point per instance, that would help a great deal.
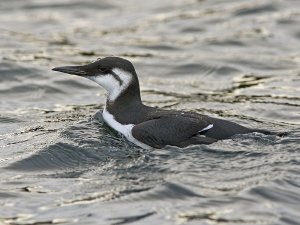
(146, 126)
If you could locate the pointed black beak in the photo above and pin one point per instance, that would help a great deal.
(74, 70)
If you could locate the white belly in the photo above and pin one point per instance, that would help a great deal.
(126, 130)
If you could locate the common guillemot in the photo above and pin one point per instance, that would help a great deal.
(145, 126)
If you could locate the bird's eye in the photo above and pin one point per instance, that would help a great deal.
(103, 69)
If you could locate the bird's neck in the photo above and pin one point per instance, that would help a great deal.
(129, 101)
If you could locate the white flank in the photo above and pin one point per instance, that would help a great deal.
(207, 128)
(126, 130)
(111, 85)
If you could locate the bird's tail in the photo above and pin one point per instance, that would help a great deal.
(268, 132)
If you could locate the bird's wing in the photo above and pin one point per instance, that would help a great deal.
(170, 130)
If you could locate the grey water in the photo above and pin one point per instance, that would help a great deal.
(236, 59)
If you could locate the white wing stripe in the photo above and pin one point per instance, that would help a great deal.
(207, 128)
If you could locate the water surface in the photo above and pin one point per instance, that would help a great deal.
(238, 60)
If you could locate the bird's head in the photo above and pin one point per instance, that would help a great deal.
(112, 73)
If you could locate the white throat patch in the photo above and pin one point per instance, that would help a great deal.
(113, 86)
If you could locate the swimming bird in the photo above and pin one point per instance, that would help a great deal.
(146, 126)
